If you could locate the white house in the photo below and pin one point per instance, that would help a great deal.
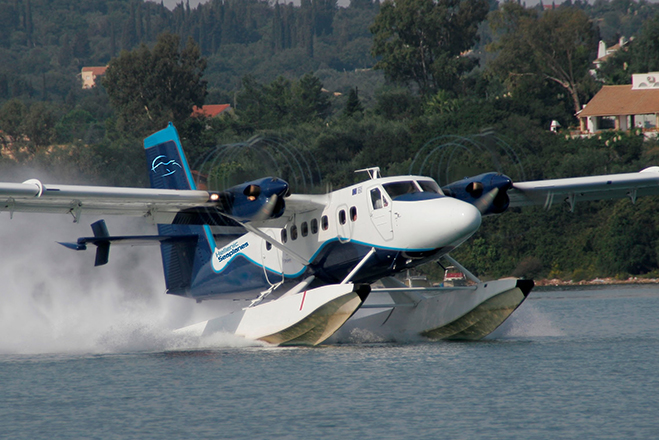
(624, 107)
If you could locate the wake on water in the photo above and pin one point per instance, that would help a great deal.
(53, 300)
(527, 321)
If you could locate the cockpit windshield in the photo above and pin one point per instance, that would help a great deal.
(397, 189)
(430, 186)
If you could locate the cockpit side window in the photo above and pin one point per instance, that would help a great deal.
(430, 186)
(397, 189)
(376, 198)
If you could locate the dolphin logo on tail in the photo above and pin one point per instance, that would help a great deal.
(166, 167)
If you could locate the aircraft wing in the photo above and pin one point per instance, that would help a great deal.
(296, 204)
(157, 205)
(572, 190)
(300, 203)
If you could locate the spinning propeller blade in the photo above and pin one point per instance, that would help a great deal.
(267, 209)
(484, 203)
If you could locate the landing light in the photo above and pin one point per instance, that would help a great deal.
(214, 197)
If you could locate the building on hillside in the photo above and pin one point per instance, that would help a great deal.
(603, 52)
(210, 111)
(624, 107)
(91, 74)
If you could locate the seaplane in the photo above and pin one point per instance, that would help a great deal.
(308, 269)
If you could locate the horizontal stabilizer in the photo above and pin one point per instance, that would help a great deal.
(102, 240)
(131, 240)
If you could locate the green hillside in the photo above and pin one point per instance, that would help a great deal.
(449, 88)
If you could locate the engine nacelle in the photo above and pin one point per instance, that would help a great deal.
(476, 189)
(259, 199)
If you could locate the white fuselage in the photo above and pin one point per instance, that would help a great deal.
(406, 216)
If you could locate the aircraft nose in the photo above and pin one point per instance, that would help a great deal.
(434, 224)
(460, 220)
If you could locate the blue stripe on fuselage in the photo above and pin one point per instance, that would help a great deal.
(330, 264)
(322, 247)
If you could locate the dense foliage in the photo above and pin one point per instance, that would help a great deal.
(420, 41)
(149, 88)
(465, 87)
(555, 45)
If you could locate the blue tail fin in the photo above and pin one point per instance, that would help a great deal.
(168, 169)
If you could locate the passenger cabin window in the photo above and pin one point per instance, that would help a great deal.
(397, 189)
(314, 226)
(342, 217)
(430, 186)
(324, 222)
(284, 236)
(294, 232)
(268, 245)
(304, 229)
(353, 214)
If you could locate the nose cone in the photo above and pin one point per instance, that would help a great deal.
(274, 185)
(437, 223)
(457, 221)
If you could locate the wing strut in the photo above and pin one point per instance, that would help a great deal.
(463, 269)
(359, 266)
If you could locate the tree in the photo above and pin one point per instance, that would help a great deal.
(8, 20)
(353, 105)
(555, 46)
(148, 88)
(12, 114)
(629, 243)
(281, 102)
(263, 106)
(421, 41)
(641, 55)
(362, 4)
(39, 124)
(310, 100)
(74, 125)
(323, 12)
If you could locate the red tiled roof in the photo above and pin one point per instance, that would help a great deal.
(210, 111)
(622, 100)
(96, 70)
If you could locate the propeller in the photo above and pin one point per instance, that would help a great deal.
(488, 192)
(486, 202)
(267, 209)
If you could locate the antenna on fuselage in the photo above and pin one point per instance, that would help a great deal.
(373, 172)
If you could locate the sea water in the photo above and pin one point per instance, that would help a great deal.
(89, 353)
(567, 364)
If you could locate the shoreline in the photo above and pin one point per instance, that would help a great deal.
(595, 282)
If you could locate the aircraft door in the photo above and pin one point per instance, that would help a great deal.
(380, 210)
(271, 257)
(344, 227)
